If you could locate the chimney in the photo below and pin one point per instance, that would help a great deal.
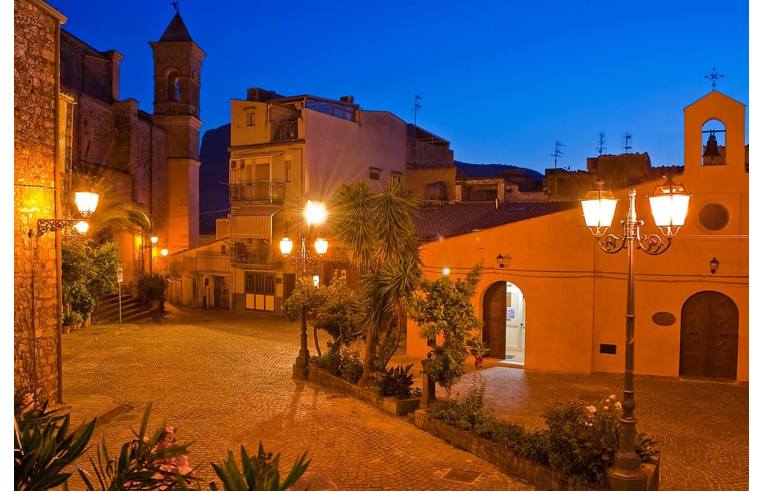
(116, 57)
(347, 99)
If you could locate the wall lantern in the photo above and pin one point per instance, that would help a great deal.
(714, 264)
(82, 227)
(501, 260)
(154, 240)
(86, 204)
(164, 252)
(86, 201)
(285, 246)
(446, 271)
(316, 280)
(321, 245)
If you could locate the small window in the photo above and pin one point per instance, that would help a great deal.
(395, 177)
(374, 173)
(251, 117)
(288, 170)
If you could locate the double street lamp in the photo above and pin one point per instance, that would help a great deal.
(668, 203)
(315, 214)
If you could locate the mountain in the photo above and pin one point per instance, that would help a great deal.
(213, 177)
(527, 179)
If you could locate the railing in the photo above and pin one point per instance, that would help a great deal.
(258, 192)
(285, 131)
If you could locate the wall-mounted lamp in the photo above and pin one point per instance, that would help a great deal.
(164, 252)
(446, 271)
(714, 264)
(86, 204)
(502, 260)
(154, 240)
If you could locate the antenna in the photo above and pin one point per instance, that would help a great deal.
(713, 77)
(417, 107)
(601, 146)
(175, 5)
(626, 141)
(557, 152)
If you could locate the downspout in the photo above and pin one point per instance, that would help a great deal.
(57, 214)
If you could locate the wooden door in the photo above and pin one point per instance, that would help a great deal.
(709, 336)
(495, 320)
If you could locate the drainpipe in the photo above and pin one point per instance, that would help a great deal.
(57, 214)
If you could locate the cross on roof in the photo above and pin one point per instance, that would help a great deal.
(175, 4)
(713, 77)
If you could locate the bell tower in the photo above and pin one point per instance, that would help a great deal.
(177, 67)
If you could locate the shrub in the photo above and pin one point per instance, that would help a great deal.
(351, 367)
(396, 381)
(152, 287)
(579, 441)
(43, 446)
(88, 272)
(261, 471)
(72, 318)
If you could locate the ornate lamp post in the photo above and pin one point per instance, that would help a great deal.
(668, 204)
(315, 214)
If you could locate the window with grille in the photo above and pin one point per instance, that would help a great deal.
(374, 173)
(288, 171)
(251, 117)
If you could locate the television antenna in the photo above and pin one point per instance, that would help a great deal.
(626, 142)
(557, 152)
(601, 146)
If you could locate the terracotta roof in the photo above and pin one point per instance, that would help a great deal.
(461, 218)
(176, 31)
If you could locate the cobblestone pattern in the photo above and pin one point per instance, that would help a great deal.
(701, 426)
(227, 381)
(35, 98)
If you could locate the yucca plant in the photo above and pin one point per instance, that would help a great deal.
(43, 446)
(144, 463)
(258, 472)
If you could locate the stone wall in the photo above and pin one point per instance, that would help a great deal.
(36, 295)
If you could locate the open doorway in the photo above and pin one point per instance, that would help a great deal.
(504, 322)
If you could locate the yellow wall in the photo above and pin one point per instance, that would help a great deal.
(576, 294)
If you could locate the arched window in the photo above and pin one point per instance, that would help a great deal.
(173, 86)
(713, 142)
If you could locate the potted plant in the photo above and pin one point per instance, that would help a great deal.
(151, 289)
(70, 321)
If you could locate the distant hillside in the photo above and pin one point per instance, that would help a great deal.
(527, 179)
(213, 177)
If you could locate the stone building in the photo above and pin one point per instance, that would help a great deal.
(37, 194)
(149, 160)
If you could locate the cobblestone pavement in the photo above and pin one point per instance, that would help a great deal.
(225, 380)
(701, 426)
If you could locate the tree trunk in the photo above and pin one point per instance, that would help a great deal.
(368, 358)
(315, 339)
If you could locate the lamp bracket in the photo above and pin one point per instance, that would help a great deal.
(51, 225)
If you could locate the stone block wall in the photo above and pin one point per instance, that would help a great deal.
(36, 295)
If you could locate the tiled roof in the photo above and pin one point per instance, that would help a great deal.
(176, 31)
(461, 218)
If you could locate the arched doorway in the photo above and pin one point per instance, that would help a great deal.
(504, 322)
(709, 336)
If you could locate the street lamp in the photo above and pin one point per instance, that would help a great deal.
(86, 202)
(315, 214)
(668, 204)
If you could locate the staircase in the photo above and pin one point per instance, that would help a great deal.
(133, 310)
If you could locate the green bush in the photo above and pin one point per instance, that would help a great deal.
(72, 318)
(351, 366)
(88, 272)
(396, 381)
(260, 471)
(152, 287)
(578, 440)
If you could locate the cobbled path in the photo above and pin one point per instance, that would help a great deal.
(225, 380)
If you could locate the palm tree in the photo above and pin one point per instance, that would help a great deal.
(378, 229)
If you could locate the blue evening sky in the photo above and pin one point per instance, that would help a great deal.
(501, 80)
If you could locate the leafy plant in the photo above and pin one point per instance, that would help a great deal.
(43, 446)
(145, 462)
(378, 229)
(152, 287)
(88, 272)
(351, 367)
(444, 312)
(72, 318)
(259, 471)
(396, 381)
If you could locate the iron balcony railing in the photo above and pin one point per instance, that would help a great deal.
(285, 131)
(253, 255)
(263, 191)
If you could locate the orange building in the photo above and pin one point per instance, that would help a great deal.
(551, 300)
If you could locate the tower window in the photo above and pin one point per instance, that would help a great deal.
(251, 117)
(714, 148)
(173, 86)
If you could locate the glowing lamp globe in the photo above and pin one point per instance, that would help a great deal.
(86, 201)
(599, 208)
(164, 252)
(154, 240)
(668, 203)
(82, 227)
(285, 245)
(321, 245)
(315, 213)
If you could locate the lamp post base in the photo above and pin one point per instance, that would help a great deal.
(300, 368)
(623, 479)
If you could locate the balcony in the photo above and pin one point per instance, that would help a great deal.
(260, 192)
(256, 255)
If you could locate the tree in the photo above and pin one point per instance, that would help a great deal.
(378, 230)
(445, 314)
